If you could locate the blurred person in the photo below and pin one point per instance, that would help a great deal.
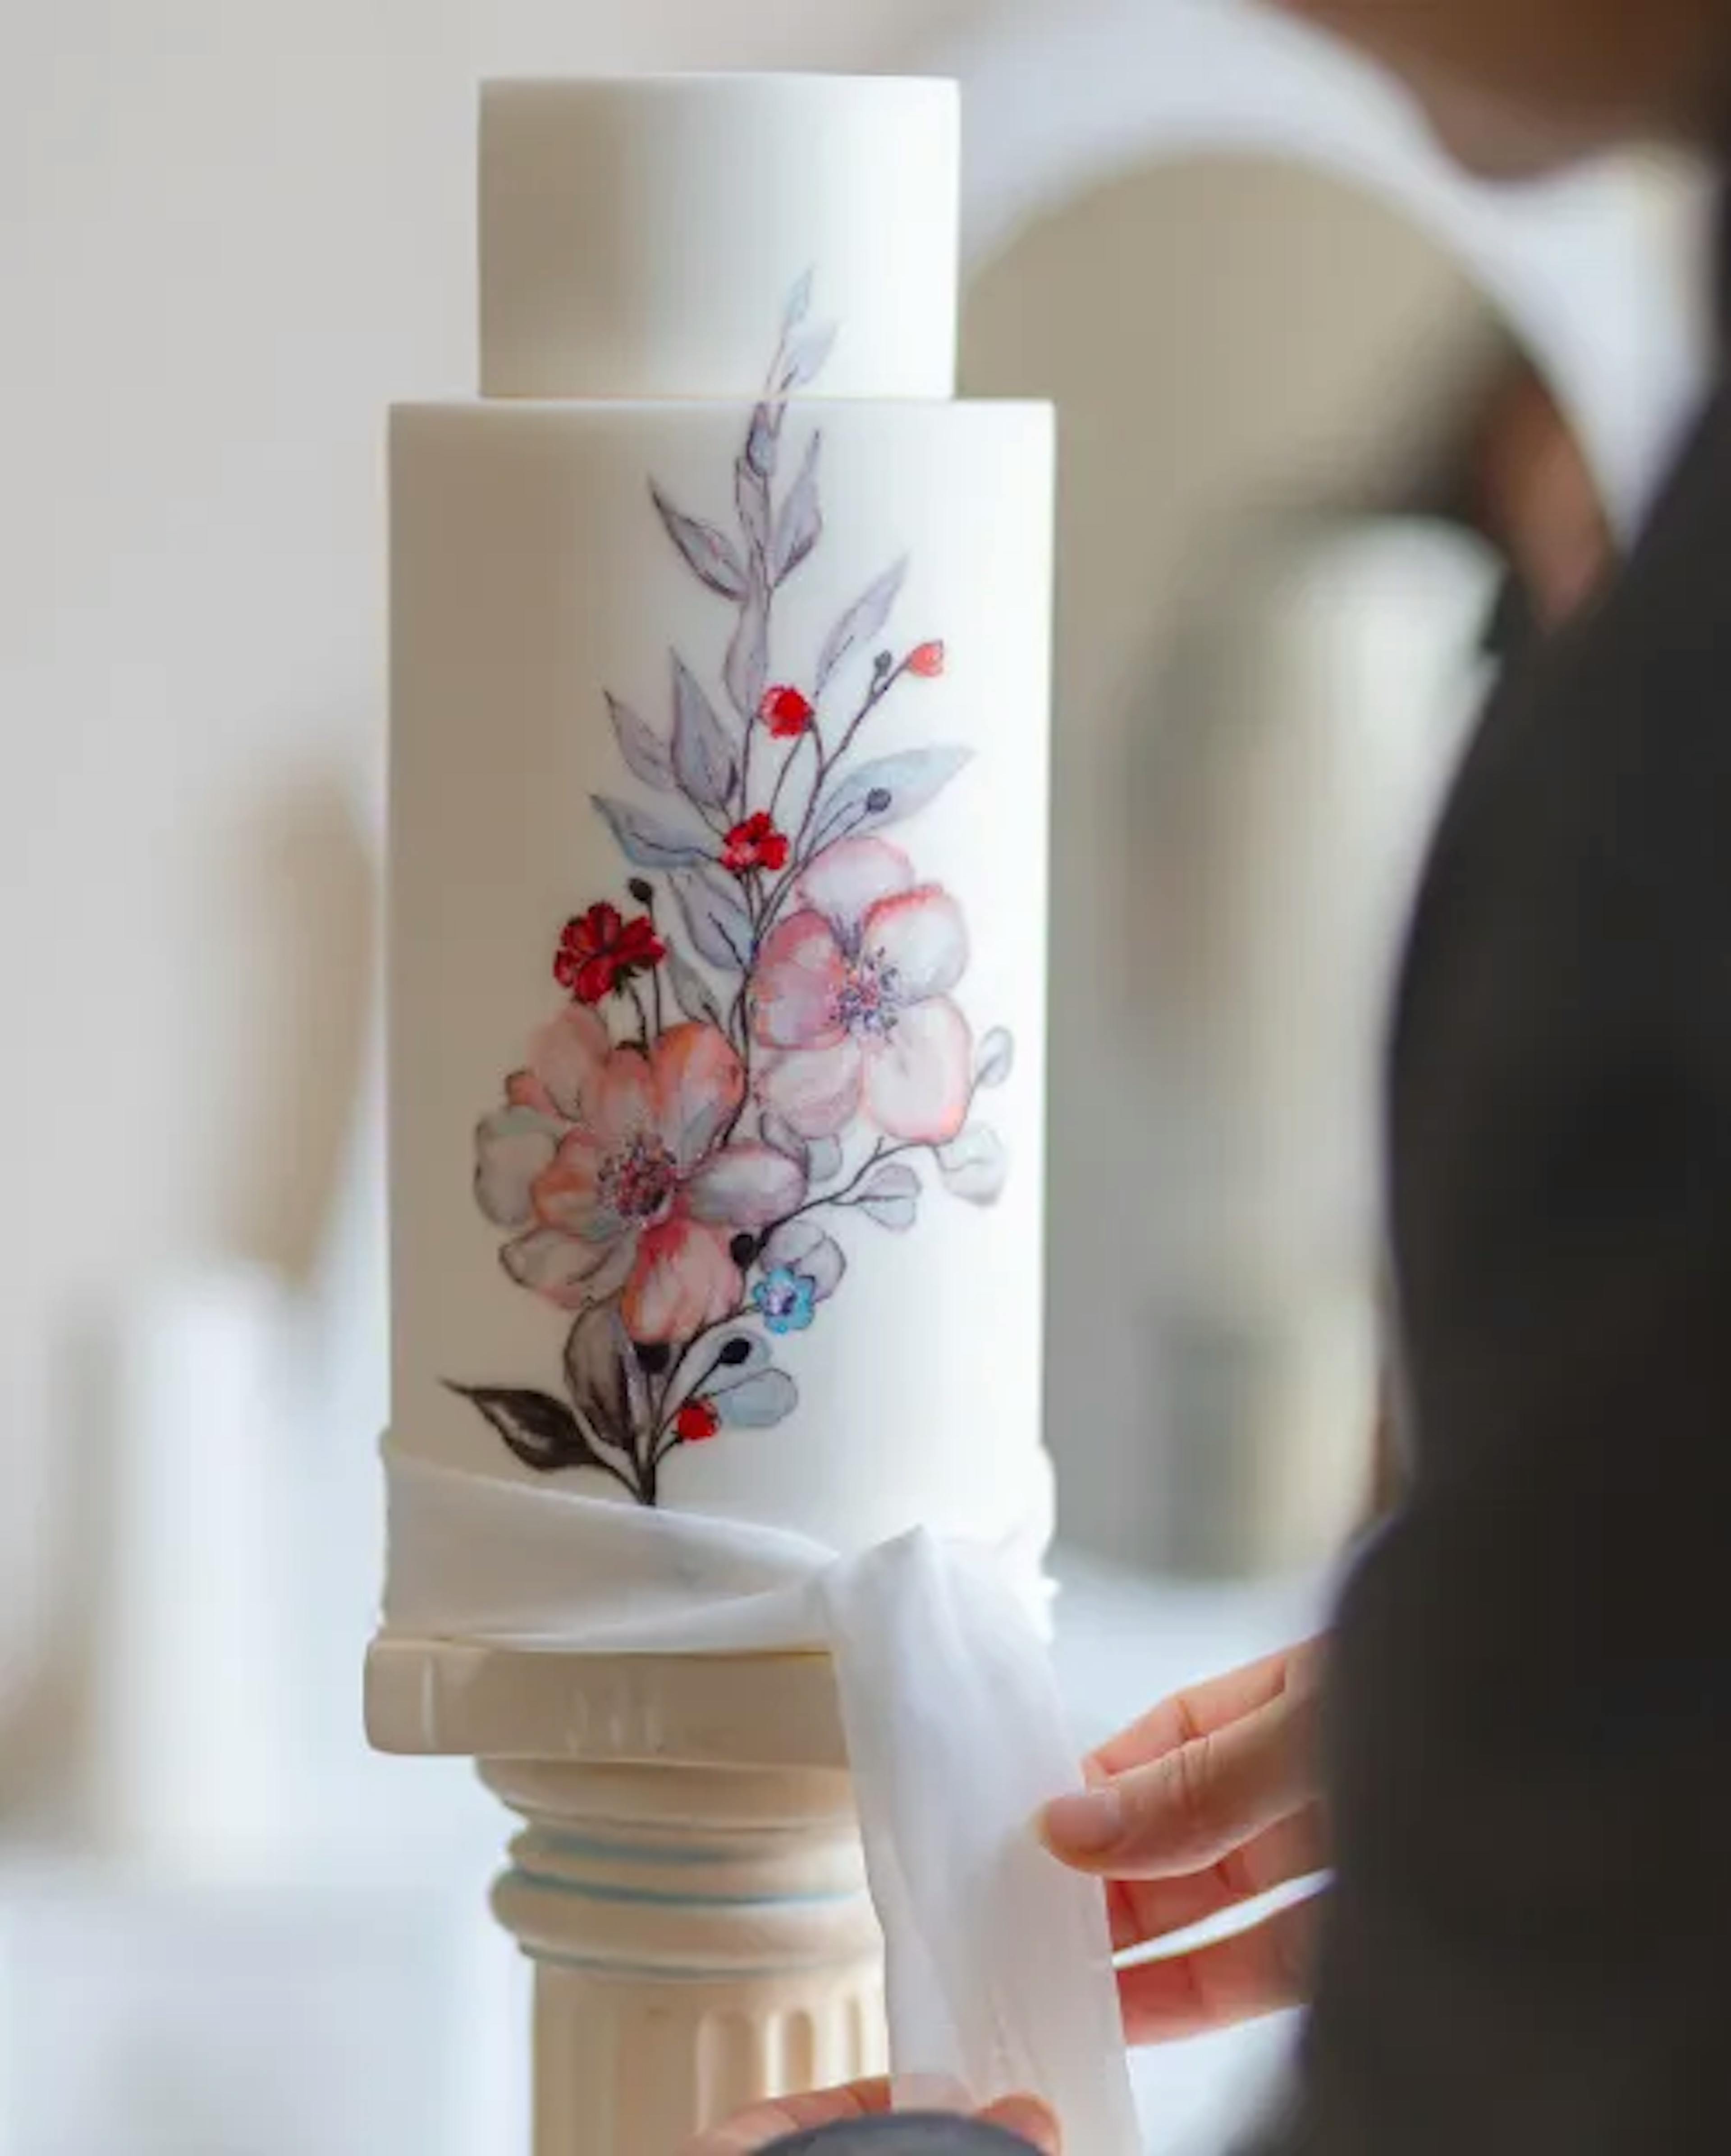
(1515, 1747)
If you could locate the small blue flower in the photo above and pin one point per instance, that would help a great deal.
(787, 1301)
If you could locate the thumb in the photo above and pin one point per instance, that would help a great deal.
(1027, 2116)
(1187, 1810)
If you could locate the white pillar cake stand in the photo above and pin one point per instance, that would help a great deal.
(688, 1881)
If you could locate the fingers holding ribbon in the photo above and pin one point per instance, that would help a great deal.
(1204, 1806)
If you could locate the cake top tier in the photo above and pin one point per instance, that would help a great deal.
(643, 237)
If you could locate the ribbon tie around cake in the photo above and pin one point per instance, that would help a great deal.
(998, 1964)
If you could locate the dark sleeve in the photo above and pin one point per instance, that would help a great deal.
(1528, 1948)
(905, 2133)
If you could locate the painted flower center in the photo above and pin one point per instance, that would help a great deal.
(869, 1000)
(779, 1298)
(639, 1183)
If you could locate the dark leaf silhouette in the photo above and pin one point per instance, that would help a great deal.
(702, 753)
(863, 622)
(606, 1379)
(642, 748)
(542, 1431)
(711, 555)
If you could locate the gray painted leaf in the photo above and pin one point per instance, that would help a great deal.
(784, 1138)
(891, 1178)
(891, 1194)
(712, 556)
(807, 355)
(997, 1059)
(716, 919)
(863, 621)
(512, 1146)
(887, 791)
(702, 752)
(750, 494)
(800, 525)
(650, 840)
(642, 748)
(803, 1248)
(976, 1166)
(607, 1382)
(763, 444)
(748, 668)
(799, 305)
(823, 1160)
(760, 1403)
(691, 991)
(721, 1377)
(897, 1214)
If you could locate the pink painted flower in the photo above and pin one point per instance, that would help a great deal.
(607, 1162)
(851, 996)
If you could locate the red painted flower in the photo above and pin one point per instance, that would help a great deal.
(786, 713)
(697, 1422)
(927, 662)
(600, 951)
(755, 843)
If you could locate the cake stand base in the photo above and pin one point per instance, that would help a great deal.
(688, 1881)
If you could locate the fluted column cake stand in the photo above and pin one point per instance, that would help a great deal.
(687, 1881)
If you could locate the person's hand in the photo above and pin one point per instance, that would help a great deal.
(756, 2129)
(1205, 1803)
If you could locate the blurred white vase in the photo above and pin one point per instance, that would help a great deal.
(195, 1769)
(1337, 683)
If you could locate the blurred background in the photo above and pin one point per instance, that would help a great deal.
(1338, 436)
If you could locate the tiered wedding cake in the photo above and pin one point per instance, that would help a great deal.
(719, 791)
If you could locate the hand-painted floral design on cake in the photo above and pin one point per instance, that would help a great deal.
(762, 1036)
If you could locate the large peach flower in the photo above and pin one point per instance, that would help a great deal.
(607, 1160)
(852, 997)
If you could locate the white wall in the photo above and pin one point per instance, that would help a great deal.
(230, 231)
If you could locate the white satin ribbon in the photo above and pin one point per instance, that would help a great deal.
(999, 1963)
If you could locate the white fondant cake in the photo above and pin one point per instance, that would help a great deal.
(639, 238)
(719, 801)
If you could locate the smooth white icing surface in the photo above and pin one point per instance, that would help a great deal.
(637, 235)
(716, 478)
(533, 576)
